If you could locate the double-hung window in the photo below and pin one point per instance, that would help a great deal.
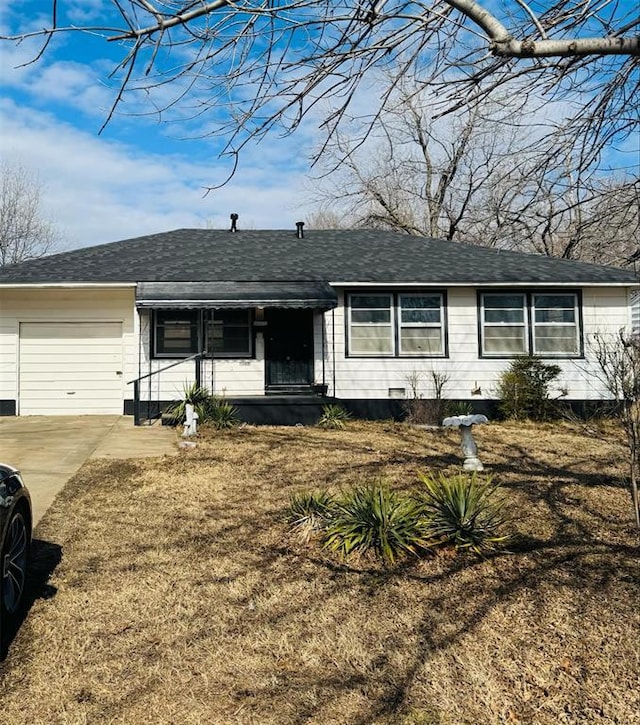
(228, 333)
(421, 331)
(504, 328)
(371, 321)
(176, 333)
(514, 323)
(555, 324)
(396, 324)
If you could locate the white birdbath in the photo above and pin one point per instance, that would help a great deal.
(468, 445)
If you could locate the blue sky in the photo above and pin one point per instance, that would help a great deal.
(138, 176)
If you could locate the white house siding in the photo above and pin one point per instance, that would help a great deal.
(73, 339)
(605, 311)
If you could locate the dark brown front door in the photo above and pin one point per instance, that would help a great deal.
(289, 348)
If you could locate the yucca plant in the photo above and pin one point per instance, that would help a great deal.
(221, 414)
(374, 519)
(309, 512)
(194, 394)
(466, 511)
(333, 417)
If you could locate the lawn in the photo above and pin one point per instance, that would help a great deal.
(182, 597)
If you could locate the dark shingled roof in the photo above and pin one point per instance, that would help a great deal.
(203, 255)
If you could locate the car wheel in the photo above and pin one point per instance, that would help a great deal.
(15, 554)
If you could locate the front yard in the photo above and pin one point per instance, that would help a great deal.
(183, 597)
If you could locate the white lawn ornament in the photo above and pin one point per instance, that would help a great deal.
(190, 421)
(468, 445)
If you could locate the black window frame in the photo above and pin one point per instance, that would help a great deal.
(159, 319)
(530, 323)
(200, 320)
(396, 324)
(212, 317)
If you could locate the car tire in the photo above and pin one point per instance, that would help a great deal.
(13, 565)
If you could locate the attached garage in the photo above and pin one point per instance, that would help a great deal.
(70, 368)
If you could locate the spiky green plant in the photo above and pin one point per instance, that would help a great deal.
(194, 394)
(374, 519)
(333, 417)
(309, 512)
(459, 407)
(221, 414)
(466, 511)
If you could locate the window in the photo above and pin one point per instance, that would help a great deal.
(176, 333)
(421, 329)
(384, 324)
(555, 327)
(222, 333)
(229, 333)
(504, 325)
(545, 324)
(371, 330)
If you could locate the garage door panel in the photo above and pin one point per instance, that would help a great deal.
(50, 332)
(71, 368)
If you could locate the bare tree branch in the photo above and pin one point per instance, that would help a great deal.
(24, 233)
(246, 66)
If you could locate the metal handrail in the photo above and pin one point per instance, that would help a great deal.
(136, 383)
(167, 367)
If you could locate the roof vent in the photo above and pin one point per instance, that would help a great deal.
(300, 230)
(234, 219)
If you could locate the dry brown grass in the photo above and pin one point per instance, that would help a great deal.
(182, 598)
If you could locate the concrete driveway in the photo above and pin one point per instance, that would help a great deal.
(50, 449)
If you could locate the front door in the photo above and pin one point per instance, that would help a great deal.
(289, 350)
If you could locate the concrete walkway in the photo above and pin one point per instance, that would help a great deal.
(50, 449)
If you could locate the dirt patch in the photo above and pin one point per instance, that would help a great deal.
(182, 597)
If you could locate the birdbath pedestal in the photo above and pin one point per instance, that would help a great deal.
(464, 424)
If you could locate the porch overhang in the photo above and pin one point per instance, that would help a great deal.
(237, 295)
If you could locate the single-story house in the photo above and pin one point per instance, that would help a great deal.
(278, 318)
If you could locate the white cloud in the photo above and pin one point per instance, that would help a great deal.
(97, 190)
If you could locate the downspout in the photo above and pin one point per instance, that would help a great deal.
(333, 347)
(140, 346)
(149, 355)
(324, 347)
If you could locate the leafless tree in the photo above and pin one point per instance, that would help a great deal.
(423, 176)
(270, 63)
(477, 178)
(24, 232)
(618, 368)
(328, 218)
(561, 211)
(586, 217)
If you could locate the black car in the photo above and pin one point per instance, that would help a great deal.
(15, 542)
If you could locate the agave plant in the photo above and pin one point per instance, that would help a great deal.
(221, 414)
(374, 519)
(466, 511)
(193, 394)
(310, 512)
(333, 417)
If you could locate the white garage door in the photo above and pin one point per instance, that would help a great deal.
(70, 368)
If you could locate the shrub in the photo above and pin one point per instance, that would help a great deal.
(333, 417)
(210, 409)
(466, 511)
(221, 414)
(425, 411)
(523, 389)
(310, 512)
(458, 407)
(372, 519)
(193, 394)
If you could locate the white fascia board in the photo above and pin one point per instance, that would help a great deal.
(440, 285)
(65, 285)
